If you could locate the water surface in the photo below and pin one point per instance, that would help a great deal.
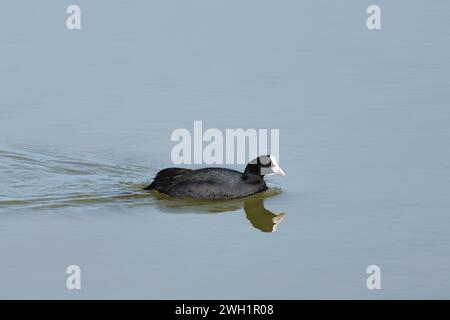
(86, 118)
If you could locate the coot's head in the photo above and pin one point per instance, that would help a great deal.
(264, 165)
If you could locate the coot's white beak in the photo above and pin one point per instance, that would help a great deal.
(275, 167)
(278, 171)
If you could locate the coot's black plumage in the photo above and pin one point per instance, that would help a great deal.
(216, 183)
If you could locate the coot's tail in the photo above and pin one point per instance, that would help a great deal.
(165, 178)
(150, 186)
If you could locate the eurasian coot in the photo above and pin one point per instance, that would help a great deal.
(216, 183)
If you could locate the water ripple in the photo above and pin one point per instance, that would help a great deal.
(32, 179)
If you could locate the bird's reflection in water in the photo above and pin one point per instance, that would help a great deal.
(259, 216)
(256, 213)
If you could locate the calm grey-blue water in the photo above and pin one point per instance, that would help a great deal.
(86, 118)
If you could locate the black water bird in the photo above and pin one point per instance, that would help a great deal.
(216, 183)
